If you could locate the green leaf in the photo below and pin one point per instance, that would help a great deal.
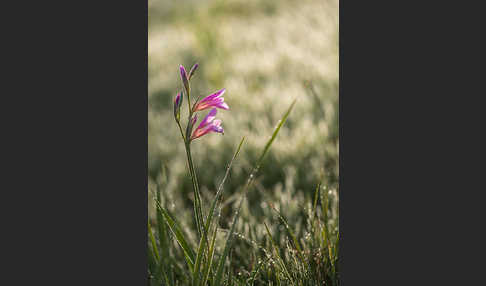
(152, 240)
(176, 230)
(227, 246)
(207, 266)
(291, 234)
(161, 227)
(279, 259)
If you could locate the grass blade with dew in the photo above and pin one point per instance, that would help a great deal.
(152, 240)
(163, 235)
(274, 135)
(222, 259)
(152, 264)
(324, 208)
(176, 230)
(291, 233)
(254, 272)
(161, 227)
(279, 259)
(202, 241)
(326, 231)
(316, 196)
(313, 215)
(207, 266)
(154, 256)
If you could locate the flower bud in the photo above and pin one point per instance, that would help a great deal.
(177, 106)
(184, 79)
(193, 70)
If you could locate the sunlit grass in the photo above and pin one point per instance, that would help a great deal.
(266, 54)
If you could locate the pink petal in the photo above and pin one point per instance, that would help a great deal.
(214, 95)
(183, 72)
(223, 105)
(216, 122)
(209, 117)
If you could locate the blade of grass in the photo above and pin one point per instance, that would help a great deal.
(163, 237)
(324, 209)
(207, 267)
(176, 230)
(325, 204)
(152, 240)
(220, 188)
(314, 219)
(291, 233)
(274, 135)
(158, 267)
(222, 259)
(254, 273)
(279, 259)
(219, 272)
(152, 265)
(202, 241)
(316, 196)
(161, 227)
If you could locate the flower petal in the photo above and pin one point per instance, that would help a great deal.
(209, 124)
(213, 100)
(193, 70)
(214, 95)
(209, 117)
(184, 79)
(223, 105)
(183, 73)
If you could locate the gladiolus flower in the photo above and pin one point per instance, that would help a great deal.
(208, 124)
(213, 100)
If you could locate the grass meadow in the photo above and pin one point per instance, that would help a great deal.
(267, 190)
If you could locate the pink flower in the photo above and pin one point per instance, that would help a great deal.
(208, 124)
(213, 100)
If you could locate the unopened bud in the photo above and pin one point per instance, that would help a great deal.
(193, 70)
(177, 106)
(184, 79)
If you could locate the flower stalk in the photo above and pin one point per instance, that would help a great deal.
(207, 125)
(197, 196)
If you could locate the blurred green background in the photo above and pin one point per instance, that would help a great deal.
(265, 53)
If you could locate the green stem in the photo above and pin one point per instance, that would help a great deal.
(182, 133)
(197, 196)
